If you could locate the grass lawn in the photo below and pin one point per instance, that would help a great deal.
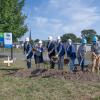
(14, 88)
(18, 88)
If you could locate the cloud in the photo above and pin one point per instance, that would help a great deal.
(36, 9)
(51, 26)
(57, 17)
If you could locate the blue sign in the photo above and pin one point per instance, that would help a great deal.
(8, 40)
(1, 37)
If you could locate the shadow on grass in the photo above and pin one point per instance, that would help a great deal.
(3, 56)
(10, 71)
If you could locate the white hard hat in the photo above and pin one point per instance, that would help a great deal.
(27, 39)
(58, 38)
(40, 42)
(69, 40)
(50, 38)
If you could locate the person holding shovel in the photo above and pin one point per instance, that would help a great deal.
(71, 54)
(28, 52)
(38, 54)
(81, 54)
(51, 51)
(95, 49)
(60, 53)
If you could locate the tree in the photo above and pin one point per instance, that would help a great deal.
(78, 40)
(37, 40)
(45, 42)
(71, 36)
(32, 41)
(11, 17)
(88, 34)
(98, 37)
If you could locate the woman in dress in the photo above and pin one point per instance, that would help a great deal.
(38, 55)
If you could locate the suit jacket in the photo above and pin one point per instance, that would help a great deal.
(60, 50)
(29, 51)
(71, 51)
(51, 49)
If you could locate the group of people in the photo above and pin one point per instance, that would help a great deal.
(57, 50)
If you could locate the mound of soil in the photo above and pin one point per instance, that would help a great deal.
(22, 73)
(45, 73)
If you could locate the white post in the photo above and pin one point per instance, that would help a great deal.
(8, 61)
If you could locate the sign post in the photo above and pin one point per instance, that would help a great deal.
(12, 53)
(1, 39)
(8, 42)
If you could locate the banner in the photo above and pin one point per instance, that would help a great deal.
(1, 37)
(8, 40)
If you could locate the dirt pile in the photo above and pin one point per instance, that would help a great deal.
(45, 73)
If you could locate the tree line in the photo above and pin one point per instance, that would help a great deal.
(87, 33)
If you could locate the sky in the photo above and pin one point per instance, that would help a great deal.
(56, 17)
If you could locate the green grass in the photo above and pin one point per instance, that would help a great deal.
(14, 88)
(17, 88)
(97, 98)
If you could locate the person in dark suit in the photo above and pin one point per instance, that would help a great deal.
(28, 52)
(60, 53)
(24, 47)
(51, 51)
(71, 54)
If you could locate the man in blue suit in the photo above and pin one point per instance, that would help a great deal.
(71, 54)
(28, 52)
(60, 53)
(51, 51)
